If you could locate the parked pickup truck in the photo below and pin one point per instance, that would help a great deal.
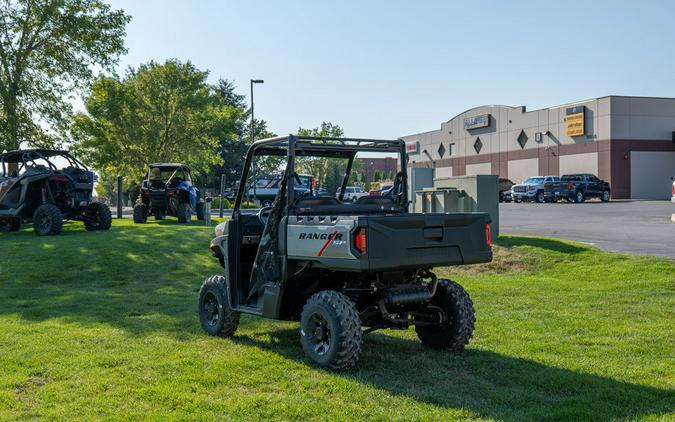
(352, 194)
(579, 187)
(532, 189)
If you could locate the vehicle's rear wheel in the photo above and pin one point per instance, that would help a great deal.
(184, 213)
(330, 331)
(140, 213)
(456, 331)
(200, 210)
(98, 217)
(47, 220)
(540, 197)
(605, 196)
(579, 197)
(215, 312)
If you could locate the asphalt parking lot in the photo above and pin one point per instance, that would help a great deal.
(639, 227)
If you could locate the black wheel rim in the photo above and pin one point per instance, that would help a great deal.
(318, 334)
(95, 217)
(211, 309)
(45, 222)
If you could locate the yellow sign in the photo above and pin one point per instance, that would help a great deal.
(574, 124)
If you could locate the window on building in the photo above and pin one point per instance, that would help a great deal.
(450, 150)
(478, 145)
(522, 139)
(441, 150)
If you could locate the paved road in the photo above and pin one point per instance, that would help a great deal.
(640, 227)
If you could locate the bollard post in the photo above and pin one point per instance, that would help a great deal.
(222, 194)
(119, 196)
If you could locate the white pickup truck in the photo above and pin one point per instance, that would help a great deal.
(352, 193)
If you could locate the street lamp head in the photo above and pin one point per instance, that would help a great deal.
(257, 81)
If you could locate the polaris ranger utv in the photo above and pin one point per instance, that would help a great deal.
(342, 269)
(168, 190)
(48, 186)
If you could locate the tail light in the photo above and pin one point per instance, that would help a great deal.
(570, 185)
(360, 242)
(488, 236)
(673, 189)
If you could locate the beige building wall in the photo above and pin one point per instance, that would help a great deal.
(579, 163)
(519, 170)
(474, 169)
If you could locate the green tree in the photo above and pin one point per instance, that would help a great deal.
(319, 166)
(47, 50)
(377, 176)
(156, 113)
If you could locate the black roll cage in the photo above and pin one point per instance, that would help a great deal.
(25, 156)
(334, 147)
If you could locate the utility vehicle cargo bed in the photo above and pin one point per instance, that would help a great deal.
(410, 241)
(392, 241)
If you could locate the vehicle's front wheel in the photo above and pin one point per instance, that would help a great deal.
(10, 225)
(140, 213)
(184, 213)
(579, 197)
(97, 217)
(455, 332)
(605, 196)
(330, 331)
(215, 312)
(47, 220)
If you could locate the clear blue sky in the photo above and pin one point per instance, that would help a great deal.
(392, 68)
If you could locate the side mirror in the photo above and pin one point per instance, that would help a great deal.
(144, 184)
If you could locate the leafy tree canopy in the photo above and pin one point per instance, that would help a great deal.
(47, 51)
(157, 113)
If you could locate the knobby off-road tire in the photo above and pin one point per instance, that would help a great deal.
(215, 312)
(47, 220)
(100, 217)
(184, 213)
(140, 213)
(330, 331)
(456, 332)
(200, 211)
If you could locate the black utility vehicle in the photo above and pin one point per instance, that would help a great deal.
(47, 187)
(342, 269)
(168, 190)
(579, 187)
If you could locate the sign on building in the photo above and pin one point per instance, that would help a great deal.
(574, 121)
(412, 147)
(482, 120)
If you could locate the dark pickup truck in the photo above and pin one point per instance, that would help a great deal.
(578, 188)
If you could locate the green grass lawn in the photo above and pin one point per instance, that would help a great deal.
(103, 325)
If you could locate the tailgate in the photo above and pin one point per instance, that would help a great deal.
(411, 241)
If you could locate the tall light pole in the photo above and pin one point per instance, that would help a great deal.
(254, 81)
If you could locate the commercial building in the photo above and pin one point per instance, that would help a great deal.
(627, 141)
